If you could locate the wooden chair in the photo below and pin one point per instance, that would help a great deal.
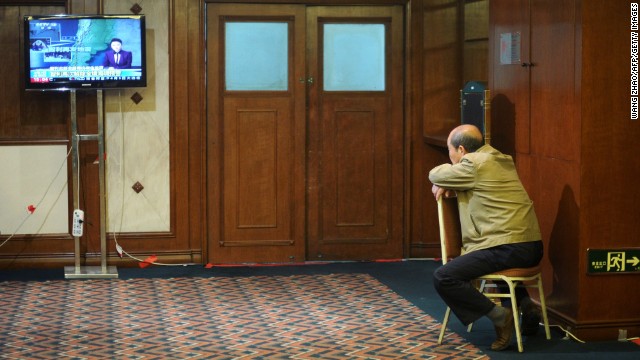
(451, 244)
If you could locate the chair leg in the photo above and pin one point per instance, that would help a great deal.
(516, 317)
(543, 307)
(444, 325)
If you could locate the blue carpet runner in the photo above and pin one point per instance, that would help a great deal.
(336, 316)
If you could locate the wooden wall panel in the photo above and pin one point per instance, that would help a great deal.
(425, 241)
(476, 56)
(476, 41)
(609, 209)
(9, 78)
(509, 83)
(415, 185)
(442, 73)
(85, 6)
(27, 116)
(441, 76)
(554, 124)
(553, 185)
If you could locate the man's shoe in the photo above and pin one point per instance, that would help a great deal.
(530, 318)
(504, 333)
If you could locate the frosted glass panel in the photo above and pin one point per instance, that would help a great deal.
(354, 57)
(256, 56)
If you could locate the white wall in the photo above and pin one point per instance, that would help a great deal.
(34, 175)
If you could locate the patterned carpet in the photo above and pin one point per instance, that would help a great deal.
(338, 316)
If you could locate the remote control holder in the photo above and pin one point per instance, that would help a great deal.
(78, 219)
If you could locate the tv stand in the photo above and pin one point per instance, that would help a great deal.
(78, 271)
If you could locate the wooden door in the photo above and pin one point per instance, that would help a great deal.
(273, 130)
(355, 171)
(256, 133)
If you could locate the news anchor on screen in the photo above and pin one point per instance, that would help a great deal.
(116, 57)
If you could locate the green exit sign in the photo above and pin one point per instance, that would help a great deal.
(613, 261)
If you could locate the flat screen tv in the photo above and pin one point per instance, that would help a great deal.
(63, 52)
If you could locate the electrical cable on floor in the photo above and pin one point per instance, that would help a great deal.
(32, 208)
(567, 334)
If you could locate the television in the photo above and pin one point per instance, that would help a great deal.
(64, 52)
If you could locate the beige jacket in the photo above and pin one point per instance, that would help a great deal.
(494, 206)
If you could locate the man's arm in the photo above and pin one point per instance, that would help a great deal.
(448, 178)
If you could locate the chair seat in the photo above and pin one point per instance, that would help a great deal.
(519, 272)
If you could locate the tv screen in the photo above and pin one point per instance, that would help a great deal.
(64, 52)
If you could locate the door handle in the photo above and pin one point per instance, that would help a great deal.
(309, 80)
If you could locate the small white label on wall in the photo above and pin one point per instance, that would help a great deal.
(510, 48)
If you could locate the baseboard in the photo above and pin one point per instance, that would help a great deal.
(55, 261)
(600, 330)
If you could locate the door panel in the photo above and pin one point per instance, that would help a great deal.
(257, 194)
(355, 137)
(354, 178)
(256, 133)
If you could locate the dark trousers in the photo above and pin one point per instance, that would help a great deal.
(453, 281)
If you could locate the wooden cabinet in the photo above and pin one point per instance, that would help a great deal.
(534, 61)
(540, 66)
(561, 107)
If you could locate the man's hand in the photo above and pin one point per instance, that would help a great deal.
(438, 192)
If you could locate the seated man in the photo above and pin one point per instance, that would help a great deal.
(499, 231)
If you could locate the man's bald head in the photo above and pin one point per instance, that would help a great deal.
(469, 136)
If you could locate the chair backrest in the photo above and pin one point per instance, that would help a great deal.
(449, 223)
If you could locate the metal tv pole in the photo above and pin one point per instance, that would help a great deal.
(89, 272)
